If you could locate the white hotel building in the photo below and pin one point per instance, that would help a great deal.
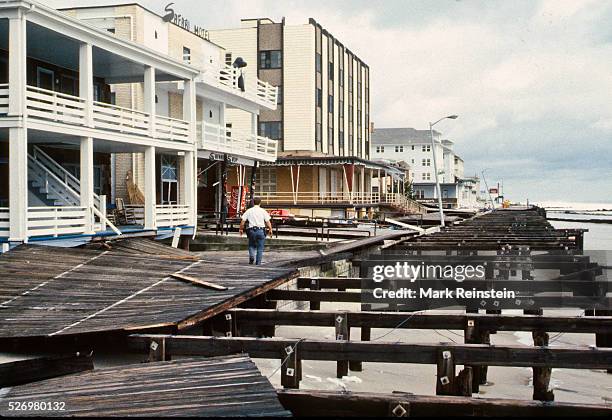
(92, 96)
(414, 148)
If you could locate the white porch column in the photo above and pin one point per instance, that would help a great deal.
(254, 128)
(190, 106)
(149, 97)
(189, 181)
(149, 192)
(86, 88)
(17, 65)
(87, 180)
(18, 184)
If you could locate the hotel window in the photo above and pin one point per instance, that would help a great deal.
(330, 103)
(228, 59)
(319, 102)
(399, 149)
(270, 59)
(186, 55)
(380, 149)
(426, 148)
(420, 194)
(331, 71)
(426, 176)
(426, 162)
(318, 65)
(271, 129)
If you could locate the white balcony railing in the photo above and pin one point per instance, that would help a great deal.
(172, 129)
(4, 222)
(67, 109)
(4, 99)
(228, 77)
(216, 138)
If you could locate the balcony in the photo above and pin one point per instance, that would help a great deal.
(54, 107)
(216, 138)
(226, 77)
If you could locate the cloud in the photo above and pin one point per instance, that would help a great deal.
(530, 80)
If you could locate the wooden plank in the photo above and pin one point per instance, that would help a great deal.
(32, 370)
(350, 404)
(473, 354)
(198, 282)
(230, 386)
(409, 320)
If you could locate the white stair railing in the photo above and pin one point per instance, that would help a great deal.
(58, 174)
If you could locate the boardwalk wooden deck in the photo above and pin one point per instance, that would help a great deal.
(222, 386)
(48, 292)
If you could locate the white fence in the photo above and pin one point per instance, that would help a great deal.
(165, 215)
(172, 215)
(341, 198)
(66, 109)
(55, 221)
(4, 222)
(225, 140)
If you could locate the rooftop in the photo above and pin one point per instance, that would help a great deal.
(382, 136)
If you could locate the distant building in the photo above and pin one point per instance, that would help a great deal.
(412, 146)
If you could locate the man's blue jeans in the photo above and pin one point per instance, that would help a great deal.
(257, 240)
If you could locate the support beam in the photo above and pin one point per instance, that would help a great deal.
(33, 370)
(574, 357)
(86, 75)
(18, 184)
(189, 180)
(190, 106)
(470, 323)
(87, 180)
(149, 193)
(308, 403)
(17, 65)
(149, 97)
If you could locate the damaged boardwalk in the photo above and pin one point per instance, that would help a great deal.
(168, 304)
(54, 292)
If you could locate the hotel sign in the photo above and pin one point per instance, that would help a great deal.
(181, 21)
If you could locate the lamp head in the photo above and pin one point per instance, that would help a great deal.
(239, 63)
(453, 117)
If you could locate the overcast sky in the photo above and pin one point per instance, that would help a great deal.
(530, 80)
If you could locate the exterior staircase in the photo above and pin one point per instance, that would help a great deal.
(52, 183)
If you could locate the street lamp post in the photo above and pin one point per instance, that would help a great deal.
(487, 187)
(433, 151)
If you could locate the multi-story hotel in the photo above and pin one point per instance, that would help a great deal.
(115, 107)
(414, 147)
(226, 153)
(322, 121)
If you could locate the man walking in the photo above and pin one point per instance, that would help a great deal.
(258, 220)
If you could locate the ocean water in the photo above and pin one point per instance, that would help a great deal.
(598, 237)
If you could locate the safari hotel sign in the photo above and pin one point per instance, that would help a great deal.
(179, 20)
